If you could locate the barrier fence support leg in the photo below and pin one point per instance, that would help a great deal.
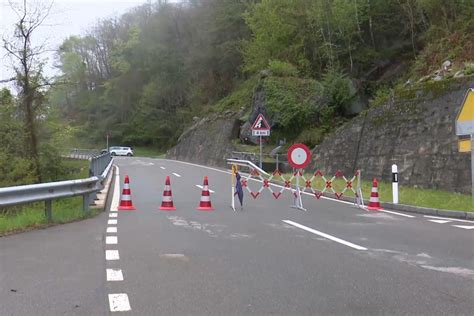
(48, 210)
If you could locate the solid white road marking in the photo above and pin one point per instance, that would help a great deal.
(176, 174)
(119, 302)
(111, 229)
(201, 187)
(439, 221)
(314, 231)
(112, 255)
(116, 197)
(114, 275)
(396, 213)
(163, 168)
(450, 219)
(112, 222)
(111, 240)
(464, 226)
(113, 215)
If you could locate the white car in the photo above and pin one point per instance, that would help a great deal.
(121, 151)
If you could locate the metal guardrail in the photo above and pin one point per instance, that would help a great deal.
(76, 153)
(47, 192)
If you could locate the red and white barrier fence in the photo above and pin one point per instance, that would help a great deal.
(292, 184)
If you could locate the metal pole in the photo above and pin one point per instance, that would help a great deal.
(472, 169)
(48, 210)
(107, 143)
(395, 183)
(261, 152)
(277, 166)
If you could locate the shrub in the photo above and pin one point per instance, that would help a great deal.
(282, 69)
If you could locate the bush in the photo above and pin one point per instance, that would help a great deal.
(282, 69)
(311, 137)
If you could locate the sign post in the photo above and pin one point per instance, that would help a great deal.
(299, 156)
(465, 127)
(260, 128)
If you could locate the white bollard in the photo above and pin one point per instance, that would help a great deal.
(395, 184)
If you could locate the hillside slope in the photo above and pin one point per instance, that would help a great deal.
(413, 129)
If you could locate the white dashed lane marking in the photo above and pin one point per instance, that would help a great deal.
(112, 255)
(201, 187)
(179, 176)
(449, 219)
(111, 240)
(396, 213)
(119, 302)
(163, 168)
(113, 215)
(438, 221)
(314, 231)
(112, 222)
(464, 226)
(114, 275)
(111, 229)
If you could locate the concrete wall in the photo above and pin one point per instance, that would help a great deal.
(414, 129)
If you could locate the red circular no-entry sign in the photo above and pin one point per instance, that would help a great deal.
(299, 156)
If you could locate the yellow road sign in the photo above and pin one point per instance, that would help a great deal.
(464, 145)
(465, 118)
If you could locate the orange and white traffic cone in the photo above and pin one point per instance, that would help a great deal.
(167, 203)
(126, 199)
(205, 203)
(374, 204)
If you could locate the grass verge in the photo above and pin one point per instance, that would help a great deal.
(31, 216)
(148, 152)
(408, 195)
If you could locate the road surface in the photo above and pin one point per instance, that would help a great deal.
(268, 259)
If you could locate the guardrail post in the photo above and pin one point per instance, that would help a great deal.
(48, 208)
(85, 202)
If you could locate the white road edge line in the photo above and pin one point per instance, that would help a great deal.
(314, 231)
(111, 240)
(449, 219)
(119, 302)
(116, 197)
(111, 229)
(114, 275)
(112, 255)
(201, 187)
(176, 174)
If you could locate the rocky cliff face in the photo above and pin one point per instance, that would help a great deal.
(208, 141)
(414, 129)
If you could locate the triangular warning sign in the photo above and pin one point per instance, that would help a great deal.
(261, 123)
(465, 118)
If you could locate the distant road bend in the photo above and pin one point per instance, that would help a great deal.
(268, 259)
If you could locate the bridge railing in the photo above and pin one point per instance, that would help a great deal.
(99, 169)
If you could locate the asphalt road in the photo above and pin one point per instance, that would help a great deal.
(268, 259)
